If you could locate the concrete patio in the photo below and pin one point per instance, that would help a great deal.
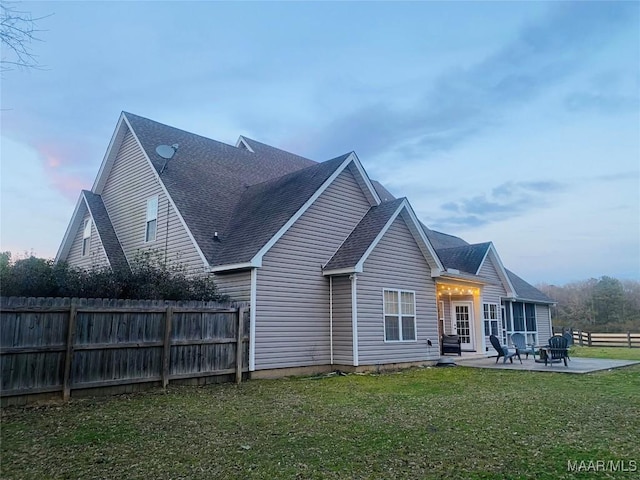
(575, 365)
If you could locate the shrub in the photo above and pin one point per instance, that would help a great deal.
(150, 277)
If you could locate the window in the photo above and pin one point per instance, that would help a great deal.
(86, 237)
(399, 316)
(152, 219)
(490, 312)
(524, 320)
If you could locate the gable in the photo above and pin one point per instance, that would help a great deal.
(354, 251)
(129, 184)
(266, 211)
(96, 257)
(490, 271)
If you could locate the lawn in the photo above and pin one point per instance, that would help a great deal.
(458, 423)
(617, 353)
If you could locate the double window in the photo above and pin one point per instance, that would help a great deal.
(152, 219)
(399, 316)
(86, 237)
(523, 320)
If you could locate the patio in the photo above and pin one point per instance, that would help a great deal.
(575, 365)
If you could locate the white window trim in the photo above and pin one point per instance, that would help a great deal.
(399, 315)
(149, 219)
(86, 235)
(496, 319)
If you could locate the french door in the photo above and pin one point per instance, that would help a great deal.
(462, 321)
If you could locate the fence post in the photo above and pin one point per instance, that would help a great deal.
(589, 339)
(580, 337)
(629, 338)
(71, 336)
(239, 346)
(166, 348)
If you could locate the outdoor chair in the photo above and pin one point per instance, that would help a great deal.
(520, 343)
(450, 344)
(569, 338)
(503, 351)
(557, 350)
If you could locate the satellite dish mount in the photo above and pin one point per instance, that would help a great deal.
(167, 152)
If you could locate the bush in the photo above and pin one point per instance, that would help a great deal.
(149, 277)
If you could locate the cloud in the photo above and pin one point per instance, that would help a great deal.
(505, 201)
(607, 103)
(60, 165)
(463, 102)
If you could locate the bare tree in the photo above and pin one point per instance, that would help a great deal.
(18, 29)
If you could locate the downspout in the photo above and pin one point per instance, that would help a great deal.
(331, 318)
(252, 321)
(354, 317)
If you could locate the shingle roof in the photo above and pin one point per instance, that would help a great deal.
(274, 153)
(442, 240)
(101, 220)
(526, 291)
(264, 208)
(207, 178)
(357, 243)
(384, 194)
(466, 258)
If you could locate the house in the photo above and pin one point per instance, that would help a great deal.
(338, 272)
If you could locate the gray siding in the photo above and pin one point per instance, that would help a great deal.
(292, 324)
(236, 285)
(131, 182)
(396, 262)
(492, 293)
(543, 319)
(342, 324)
(97, 257)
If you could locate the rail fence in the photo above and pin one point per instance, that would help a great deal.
(62, 345)
(593, 339)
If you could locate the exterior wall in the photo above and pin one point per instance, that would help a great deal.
(491, 294)
(396, 262)
(130, 184)
(236, 285)
(292, 303)
(342, 324)
(97, 257)
(543, 320)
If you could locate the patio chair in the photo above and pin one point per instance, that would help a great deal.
(450, 344)
(503, 351)
(569, 338)
(520, 343)
(557, 350)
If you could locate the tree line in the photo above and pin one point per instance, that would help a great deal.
(148, 277)
(598, 305)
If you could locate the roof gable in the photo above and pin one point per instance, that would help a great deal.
(266, 211)
(356, 248)
(89, 202)
(104, 227)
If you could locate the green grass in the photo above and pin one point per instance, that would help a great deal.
(458, 423)
(618, 353)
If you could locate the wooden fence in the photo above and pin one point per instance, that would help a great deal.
(61, 345)
(592, 339)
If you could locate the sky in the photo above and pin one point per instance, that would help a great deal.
(511, 122)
